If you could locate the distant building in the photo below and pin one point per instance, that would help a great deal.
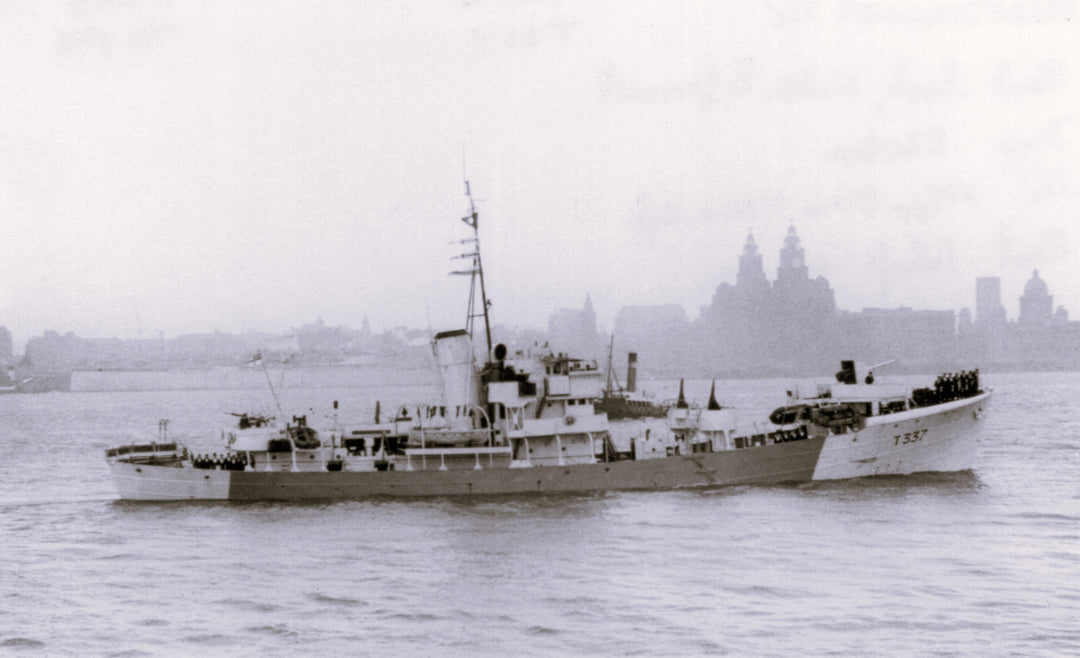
(987, 342)
(750, 279)
(1036, 304)
(988, 308)
(804, 310)
(52, 351)
(320, 344)
(964, 324)
(757, 327)
(1040, 339)
(574, 331)
(6, 347)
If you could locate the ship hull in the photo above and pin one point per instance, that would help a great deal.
(946, 438)
(908, 442)
(792, 462)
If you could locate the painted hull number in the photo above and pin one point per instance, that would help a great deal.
(909, 437)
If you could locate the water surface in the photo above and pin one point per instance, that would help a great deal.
(985, 562)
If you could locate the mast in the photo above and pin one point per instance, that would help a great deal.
(610, 352)
(473, 219)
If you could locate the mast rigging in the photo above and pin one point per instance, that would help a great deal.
(477, 274)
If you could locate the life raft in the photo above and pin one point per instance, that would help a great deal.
(305, 438)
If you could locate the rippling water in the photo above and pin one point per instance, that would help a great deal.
(974, 563)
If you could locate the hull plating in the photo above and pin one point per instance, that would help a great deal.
(789, 462)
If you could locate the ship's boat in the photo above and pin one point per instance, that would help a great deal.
(790, 414)
(527, 421)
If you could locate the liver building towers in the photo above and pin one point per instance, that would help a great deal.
(758, 324)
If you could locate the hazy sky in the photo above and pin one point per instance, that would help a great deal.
(183, 167)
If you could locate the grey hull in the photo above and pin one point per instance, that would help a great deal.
(787, 462)
(942, 438)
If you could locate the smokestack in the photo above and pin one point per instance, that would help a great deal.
(631, 372)
(454, 359)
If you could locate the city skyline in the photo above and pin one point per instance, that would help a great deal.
(190, 167)
(979, 297)
(787, 325)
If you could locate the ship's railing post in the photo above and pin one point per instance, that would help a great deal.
(423, 442)
(292, 453)
(487, 420)
(495, 417)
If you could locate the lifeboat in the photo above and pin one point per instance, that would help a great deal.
(790, 415)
